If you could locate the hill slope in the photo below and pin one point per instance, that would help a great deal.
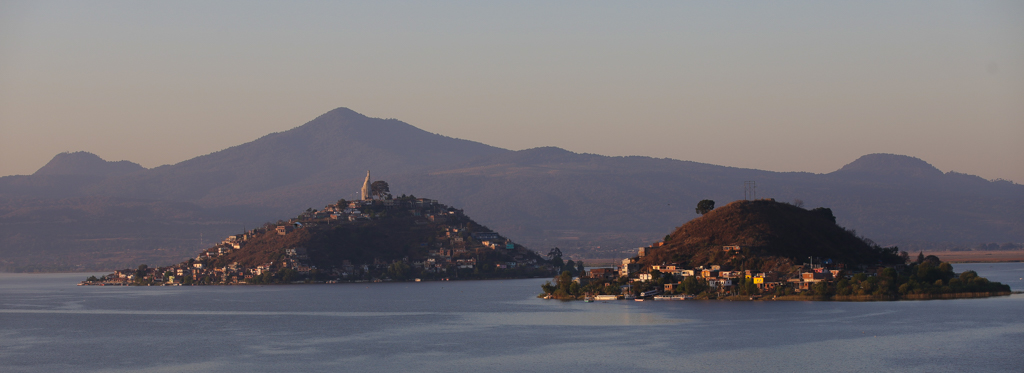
(397, 239)
(767, 231)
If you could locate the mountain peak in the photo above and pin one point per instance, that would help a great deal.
(347, 122)
(890, 165)
(341, 113)
(85, 163)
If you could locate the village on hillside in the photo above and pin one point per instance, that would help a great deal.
(749, 249)
(442, 244)
(677, 282)
(925, 278)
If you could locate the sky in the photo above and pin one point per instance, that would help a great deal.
(781, 86)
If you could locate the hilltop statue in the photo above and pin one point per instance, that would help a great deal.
(367, 191)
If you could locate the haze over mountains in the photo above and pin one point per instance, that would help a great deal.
(80, 212)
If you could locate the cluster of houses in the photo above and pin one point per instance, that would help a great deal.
(455, 247)
(193, 270)
(721, 281)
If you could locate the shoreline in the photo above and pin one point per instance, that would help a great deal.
(983, 256)
(812, 298)
(987, 256)
(329, 282)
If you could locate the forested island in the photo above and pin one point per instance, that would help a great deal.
(764, 249)
(378, 238)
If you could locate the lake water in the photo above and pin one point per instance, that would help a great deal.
(47, 324)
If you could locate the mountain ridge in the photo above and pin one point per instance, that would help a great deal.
(85, 163)
(890, 165)
(589, 204)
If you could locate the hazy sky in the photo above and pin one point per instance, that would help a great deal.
(793, 86)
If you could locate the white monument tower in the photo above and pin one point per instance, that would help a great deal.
(366, 187)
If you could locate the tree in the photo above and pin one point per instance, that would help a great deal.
(548, 288)
(286, 275)
(564, 280)
(380, 189)
(141, 272)
(574, 289)
(556, 258)
(399, 270)
(825, 212)
(705, 206)
(656, 277)
(748, 287)
(822, 289)
(555, 253)
(691, 285)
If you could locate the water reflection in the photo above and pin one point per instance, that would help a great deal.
(48, 324)
(569, 319)
(209, 313)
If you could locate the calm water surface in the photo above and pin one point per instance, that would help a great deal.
(47, 325)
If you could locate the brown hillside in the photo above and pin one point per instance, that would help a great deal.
(266, 247)
(391, 235)
(772, 235)
(330, 245)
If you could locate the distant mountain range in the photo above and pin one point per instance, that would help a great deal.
(80, 212)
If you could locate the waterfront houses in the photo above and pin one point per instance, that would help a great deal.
(819, 278)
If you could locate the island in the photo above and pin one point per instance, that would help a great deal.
(375, 239)
(763, 249)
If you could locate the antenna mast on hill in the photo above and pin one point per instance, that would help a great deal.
(749, 190)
